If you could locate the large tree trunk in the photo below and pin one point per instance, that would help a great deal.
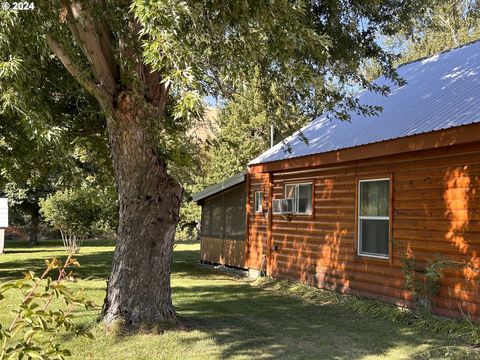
(33, 233)
(149, 200)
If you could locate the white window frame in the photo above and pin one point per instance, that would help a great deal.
(255, 202)
(359, 217)
(296, 197)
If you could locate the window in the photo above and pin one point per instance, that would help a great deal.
(258, 201)
(302, 195)
(373, 217)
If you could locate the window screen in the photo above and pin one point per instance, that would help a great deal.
(216, 229)
(206, 226)
(235, 214)
(374, 217)
(224, 216)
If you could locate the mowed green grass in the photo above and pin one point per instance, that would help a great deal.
(229, 317)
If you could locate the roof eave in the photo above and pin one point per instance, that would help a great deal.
(219, 187)
(430, 140)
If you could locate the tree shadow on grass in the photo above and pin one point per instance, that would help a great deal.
(250, 322)
(246, 321)
(93, 266)
(54, 243)
(96, 266)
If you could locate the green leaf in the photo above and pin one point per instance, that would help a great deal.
(35, 354)
(29, 275)
(7, 286)
(29, 334)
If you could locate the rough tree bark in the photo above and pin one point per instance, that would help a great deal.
(33, 233)
(149, 202)
(149, 198)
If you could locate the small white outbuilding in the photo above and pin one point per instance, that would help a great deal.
(3, 221)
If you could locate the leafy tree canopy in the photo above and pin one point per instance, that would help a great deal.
(444, 24)
(306, 54)
(65, 149)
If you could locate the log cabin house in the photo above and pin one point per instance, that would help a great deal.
(342, 210)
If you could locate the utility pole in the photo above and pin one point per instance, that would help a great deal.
(272, 133)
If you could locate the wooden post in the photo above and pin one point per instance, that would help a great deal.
(247, 219)
(270, 249)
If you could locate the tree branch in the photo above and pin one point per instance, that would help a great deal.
(106, 38)
(99, 92)
(93, 38)
(154, 90)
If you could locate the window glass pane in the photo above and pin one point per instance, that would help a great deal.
(289, 191)
(304, 199)
(374, 237)
(258, 201)
(277, 206)
(374, 197)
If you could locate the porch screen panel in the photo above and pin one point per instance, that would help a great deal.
(217, 217)
(234, 201)
(213, 217)
(206, 219)
(224, 216)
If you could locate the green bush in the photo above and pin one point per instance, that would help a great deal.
(422, 282)
(80, 213)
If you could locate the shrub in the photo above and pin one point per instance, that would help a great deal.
(78, 213)
(424, 283)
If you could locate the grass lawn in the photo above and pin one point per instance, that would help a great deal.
(230, 318)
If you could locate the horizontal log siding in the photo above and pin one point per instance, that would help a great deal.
(436, 212)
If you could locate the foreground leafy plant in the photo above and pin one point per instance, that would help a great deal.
(423, 283)
(36, 327)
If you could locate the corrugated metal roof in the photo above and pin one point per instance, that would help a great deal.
(215, 189)
(442, 91)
